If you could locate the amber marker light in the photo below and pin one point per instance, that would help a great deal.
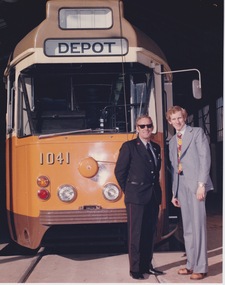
(43, 181)
(43, 194)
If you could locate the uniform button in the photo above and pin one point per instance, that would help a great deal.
(152, 171)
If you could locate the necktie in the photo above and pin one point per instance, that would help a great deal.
(179, 144)
(148, 147)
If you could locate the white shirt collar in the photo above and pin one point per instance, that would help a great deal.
(144, 142)
(182, 131)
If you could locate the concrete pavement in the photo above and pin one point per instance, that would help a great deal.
(106, 268)
(171, 262)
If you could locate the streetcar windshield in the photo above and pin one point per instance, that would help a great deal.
(75, 97)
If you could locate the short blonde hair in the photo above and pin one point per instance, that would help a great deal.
(175, 109)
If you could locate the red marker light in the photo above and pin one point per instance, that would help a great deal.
(43, 194)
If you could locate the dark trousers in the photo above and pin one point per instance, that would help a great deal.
(142, 221)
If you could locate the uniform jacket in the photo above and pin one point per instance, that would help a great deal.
(195, 159)
(136, 174)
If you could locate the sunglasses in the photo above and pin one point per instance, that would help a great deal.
(149, 126)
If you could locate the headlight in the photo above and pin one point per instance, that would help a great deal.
(67, 193)
(111, 192)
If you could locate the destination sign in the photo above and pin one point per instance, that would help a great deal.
(85, 47)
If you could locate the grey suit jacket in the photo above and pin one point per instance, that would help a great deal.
(195, 159)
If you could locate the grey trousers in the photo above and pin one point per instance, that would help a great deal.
(194, 228)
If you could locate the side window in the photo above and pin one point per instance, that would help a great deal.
(138, 100)
(141, 96)
(24, 128)
(10, 103)
(204, 120)
(219, 115)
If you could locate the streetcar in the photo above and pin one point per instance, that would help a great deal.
(75, 86)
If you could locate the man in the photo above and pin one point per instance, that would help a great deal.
(137, 172)
(191, 181)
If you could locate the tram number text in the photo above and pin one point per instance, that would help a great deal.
(52, 158)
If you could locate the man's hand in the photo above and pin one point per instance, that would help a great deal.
(200, 194)
(175, 202)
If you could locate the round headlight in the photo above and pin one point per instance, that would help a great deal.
(111, 192)
(67, 193)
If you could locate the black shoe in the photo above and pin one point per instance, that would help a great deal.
(136, 275)
(154, 272)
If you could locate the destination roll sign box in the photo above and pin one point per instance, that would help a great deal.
(85, 47)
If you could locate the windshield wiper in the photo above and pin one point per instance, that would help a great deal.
(99, 130)
(64, 133)
(102, 130)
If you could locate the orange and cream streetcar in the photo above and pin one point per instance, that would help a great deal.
(75, 86)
